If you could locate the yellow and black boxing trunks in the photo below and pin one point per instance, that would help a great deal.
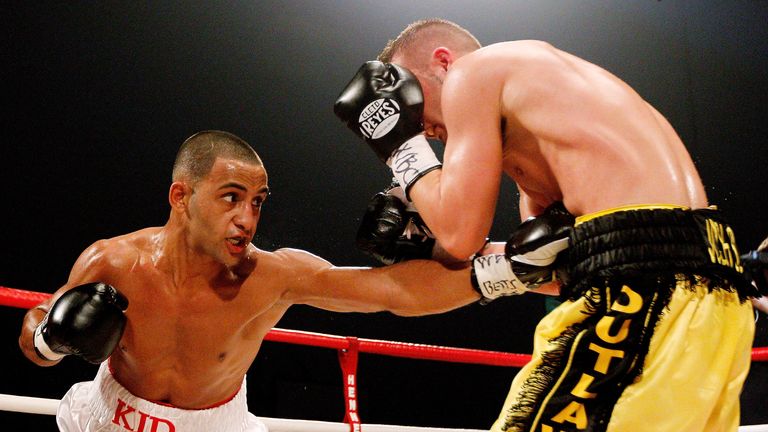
(654, 332)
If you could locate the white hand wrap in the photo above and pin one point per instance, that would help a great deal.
(411, 160)
(493, 277)
(42, 348)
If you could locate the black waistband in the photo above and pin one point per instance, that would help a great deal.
(644, 243)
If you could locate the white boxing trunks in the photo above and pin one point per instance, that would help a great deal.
(105, 405)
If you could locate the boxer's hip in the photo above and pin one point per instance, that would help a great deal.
(105, 405)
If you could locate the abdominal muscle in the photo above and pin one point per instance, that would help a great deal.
(193, 363)
(185, 378)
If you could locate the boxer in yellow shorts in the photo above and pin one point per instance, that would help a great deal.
(653, 292)
(655, 320)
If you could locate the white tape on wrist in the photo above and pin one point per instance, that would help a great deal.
(42, 348)
(495, 278)
(411, 160)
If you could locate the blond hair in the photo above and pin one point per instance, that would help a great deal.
(423, 34)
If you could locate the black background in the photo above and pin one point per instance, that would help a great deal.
(99, 95)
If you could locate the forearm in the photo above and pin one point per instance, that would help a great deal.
(423, 287)
(27, 337)
(461, 228)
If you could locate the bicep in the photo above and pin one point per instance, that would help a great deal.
(311, 280)
(417, 287)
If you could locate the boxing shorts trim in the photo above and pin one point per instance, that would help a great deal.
(654, 241)
(587, 217)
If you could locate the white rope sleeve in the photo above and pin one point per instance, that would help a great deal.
(26, 404)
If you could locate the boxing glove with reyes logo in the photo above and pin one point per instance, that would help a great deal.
(382, 104)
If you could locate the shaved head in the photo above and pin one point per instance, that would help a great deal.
(198, 153)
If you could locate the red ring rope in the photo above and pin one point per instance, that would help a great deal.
(27, 299)
(20, 298)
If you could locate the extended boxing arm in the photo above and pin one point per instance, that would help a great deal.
(422, 287)
(410, 288)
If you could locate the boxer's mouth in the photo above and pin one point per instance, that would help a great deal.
(237, 241)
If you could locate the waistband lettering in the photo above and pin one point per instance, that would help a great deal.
(722, 245)
(123, 410)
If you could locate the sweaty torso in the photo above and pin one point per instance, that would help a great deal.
(189, 341)
(571, 131)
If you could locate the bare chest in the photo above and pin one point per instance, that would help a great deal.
(197, 319)
(190, 346)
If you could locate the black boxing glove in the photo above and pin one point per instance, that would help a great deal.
(542, 237)
(87, 321)
(392, 230)
(383, 104)
(532, 256)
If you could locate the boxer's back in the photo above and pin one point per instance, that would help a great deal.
(573, 131)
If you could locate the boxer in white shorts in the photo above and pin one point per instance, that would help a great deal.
(104, 405)
(181, 310)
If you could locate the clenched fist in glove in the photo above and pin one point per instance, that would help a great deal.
(392, 230)
(532, 256)
(87, 321)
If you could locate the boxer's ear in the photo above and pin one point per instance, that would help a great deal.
(442, 57)
(178, 195)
